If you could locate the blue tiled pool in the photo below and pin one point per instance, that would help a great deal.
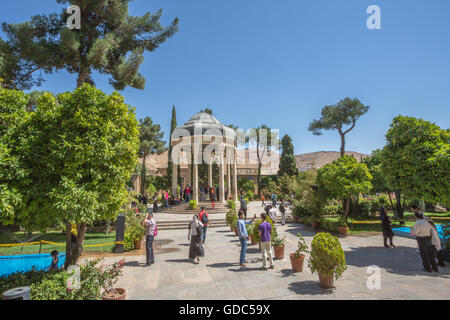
(405, 232)
(23, 263)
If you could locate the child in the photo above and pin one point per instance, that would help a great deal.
(55, 260)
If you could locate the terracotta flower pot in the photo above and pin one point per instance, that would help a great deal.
(297, 263)
(253, 240)
(343, 230)
(315, 225)
(326, 281)
(279, 252)
(138, 244)
(121, 295)
(236, 232)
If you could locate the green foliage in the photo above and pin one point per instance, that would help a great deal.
(343, 178)
(288, 165)
(55, 284)
(287, 184)
(249, 196)
(277, 241)
(302, 247)
(231, 217)
(335, 117)
(327, 256)
(78, 150)
(379, 183)
(416, 159)
(332, 209)
(134, 228)
(231, 204)
(110, 41)
(193, 205)
(246, 185)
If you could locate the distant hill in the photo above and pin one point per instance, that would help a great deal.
(319, 159)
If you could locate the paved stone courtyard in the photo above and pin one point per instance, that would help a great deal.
(219, 276)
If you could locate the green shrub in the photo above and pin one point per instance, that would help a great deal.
(193, 205)
(134, 227)
(231, 216)
(331, 210)
(250, 195)
(231, 204)
(277, 241)
(327, 256)
(52, 287)
(300, 209)
(21, 279)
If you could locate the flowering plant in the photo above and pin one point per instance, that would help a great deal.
(109, 275)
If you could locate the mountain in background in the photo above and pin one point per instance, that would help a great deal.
(317, 160)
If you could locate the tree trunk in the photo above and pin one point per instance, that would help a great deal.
(73, 252)
(347, 207)
(392, 205)
(399, 207)
(84, 76)
(259, 179)
(29, 234)
(342, 143)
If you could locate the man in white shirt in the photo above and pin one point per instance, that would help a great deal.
(423, 232)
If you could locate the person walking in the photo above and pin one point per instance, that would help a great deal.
(150, 233)
(283, 208)
(166, 199)
(213, 197)
(244, 206)
(422, 230)
(436, 242)
(274, 200)
(204, 220)
(263, 201)
(265, 231)
(195, 232)
(243, 236)
(386, 227)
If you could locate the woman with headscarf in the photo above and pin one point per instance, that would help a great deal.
(386, 226)
(195, 236)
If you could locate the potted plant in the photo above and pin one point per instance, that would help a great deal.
(135, 230)
(229, 218)
(109, 275)
(327, 258)
(342, 226)
(298, 257)
(250, 231)
(315, 220)
(278, 245)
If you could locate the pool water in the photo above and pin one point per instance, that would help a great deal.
(405, 232)
(23, 263)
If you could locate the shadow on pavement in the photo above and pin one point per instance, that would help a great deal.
(309, 287)
(287, 273)
(133, 264)
(181, 261)
(400, 260)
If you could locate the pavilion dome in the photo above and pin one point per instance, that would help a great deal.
(206, 122)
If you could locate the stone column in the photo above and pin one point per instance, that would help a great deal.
(235, 190)
(228, 179)
(210, 177)
(174, 179)
(221, 176)
(195, 182)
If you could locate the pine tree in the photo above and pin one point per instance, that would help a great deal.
(110, 41)
(335, 117)
(287, 162)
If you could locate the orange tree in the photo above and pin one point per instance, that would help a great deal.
(79, 151)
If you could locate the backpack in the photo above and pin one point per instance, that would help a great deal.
(156, 231)
(205, 219)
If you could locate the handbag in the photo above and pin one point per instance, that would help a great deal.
(156, 231)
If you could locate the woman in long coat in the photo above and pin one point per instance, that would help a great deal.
(195, 236)
(386, 227)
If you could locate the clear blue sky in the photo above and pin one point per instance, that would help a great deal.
(280, 62)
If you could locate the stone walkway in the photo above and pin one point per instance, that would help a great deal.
(219, 276)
